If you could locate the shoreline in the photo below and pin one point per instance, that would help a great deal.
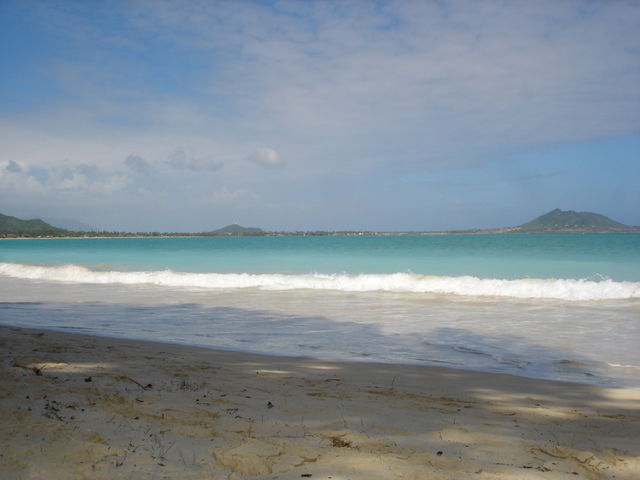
(80, 406)
(270, 355)
(337, 234)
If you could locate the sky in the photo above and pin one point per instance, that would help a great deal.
(334, 115)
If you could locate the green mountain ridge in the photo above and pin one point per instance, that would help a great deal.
(236, 229)
(570, 221)
(14, 226)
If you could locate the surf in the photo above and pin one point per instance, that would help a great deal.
(401, 282)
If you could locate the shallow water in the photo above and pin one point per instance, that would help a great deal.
(574, 329)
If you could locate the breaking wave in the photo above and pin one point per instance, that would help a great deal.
(564, 289)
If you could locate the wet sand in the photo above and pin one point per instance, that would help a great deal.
(75, 407)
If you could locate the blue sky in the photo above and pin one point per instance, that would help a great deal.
(426, 115)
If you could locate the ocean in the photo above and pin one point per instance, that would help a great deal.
(554, 306)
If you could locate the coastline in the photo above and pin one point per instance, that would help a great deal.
(78, 406)
(497, 231)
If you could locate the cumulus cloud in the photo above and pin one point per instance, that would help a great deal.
(267, 157)
(15, 181)
(81, 178)
(187, 159)
(81, 182)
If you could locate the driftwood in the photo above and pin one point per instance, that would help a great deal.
(144, 387)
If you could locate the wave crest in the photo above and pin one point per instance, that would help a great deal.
(564, 289)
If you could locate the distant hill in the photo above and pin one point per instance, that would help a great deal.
(556, 221)
(569, 221)
(236, 229)
(13, 226)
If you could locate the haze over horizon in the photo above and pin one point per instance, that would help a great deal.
(369, 115)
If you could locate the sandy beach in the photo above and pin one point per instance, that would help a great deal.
(76, 407)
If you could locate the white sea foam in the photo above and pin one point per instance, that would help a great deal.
(565, 289)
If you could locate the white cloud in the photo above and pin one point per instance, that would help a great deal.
(18, 183)
(110, 184)
(82, 178)
(267, 157)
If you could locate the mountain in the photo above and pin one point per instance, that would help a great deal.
(13, 226)
(236, 229)
(569, 221)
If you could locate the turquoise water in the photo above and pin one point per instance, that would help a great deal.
(563, 307)
(567, 256)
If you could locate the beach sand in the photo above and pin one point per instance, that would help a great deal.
(76, 407)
